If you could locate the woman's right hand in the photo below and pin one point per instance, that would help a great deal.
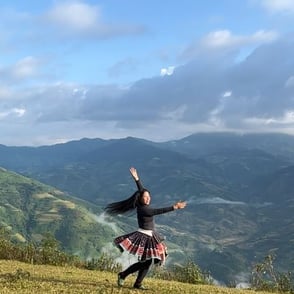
(134, 173)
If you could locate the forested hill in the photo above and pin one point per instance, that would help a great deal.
(29, 210)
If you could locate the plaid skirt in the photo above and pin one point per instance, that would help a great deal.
(143, 246)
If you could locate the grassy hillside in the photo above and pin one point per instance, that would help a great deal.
(17, 277)
(30, 209)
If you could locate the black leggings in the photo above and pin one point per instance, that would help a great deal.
(141, 267)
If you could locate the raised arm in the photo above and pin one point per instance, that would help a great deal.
(178, 205)
(149, 211)
(136, 178)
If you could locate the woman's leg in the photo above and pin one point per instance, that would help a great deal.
(144, 268)
(140, 266)
(131, 269)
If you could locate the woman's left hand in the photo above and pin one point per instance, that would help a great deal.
(180, 205)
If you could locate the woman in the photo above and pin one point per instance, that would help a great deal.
(145, 242)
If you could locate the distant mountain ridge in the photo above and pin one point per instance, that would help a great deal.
(239, 189)
(201, 144)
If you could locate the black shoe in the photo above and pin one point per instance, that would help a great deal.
(141, 287)
(120, 280)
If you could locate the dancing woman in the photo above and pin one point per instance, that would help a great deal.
(145, 243)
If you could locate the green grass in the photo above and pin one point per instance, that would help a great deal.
(18, 277)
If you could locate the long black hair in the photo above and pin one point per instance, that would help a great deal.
(126, 205)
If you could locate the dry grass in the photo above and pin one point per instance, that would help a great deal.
(18, 277)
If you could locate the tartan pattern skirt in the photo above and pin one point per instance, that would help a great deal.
(143, 246)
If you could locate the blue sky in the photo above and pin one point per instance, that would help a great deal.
(158, 70)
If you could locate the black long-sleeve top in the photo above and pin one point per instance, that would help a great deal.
(145, 213)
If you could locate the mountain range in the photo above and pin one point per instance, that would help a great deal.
(238, 188)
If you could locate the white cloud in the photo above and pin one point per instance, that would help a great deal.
(5, 92)
(25, 68)
(77, 19)
(219, 39)
(19, 111)
(215, 114)
(215, 200)
(227, 94)
(167, 71)
(14, 112)
(263, 36)
(102, 219)
(75, 16)
(224, 42)
(290, 82)
(286, 119)
(175, 114)
(277, 6)
(224, 38)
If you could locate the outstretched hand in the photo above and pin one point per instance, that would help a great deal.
(180, 205)
(134, 173)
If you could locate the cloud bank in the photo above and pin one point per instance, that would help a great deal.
(255, 94)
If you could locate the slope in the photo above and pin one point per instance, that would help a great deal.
(29, 209)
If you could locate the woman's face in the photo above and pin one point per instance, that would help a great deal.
(146, 198)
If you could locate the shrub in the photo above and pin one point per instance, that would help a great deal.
(47, 252)
(189, 272)
(265, 277)
(104, 263)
